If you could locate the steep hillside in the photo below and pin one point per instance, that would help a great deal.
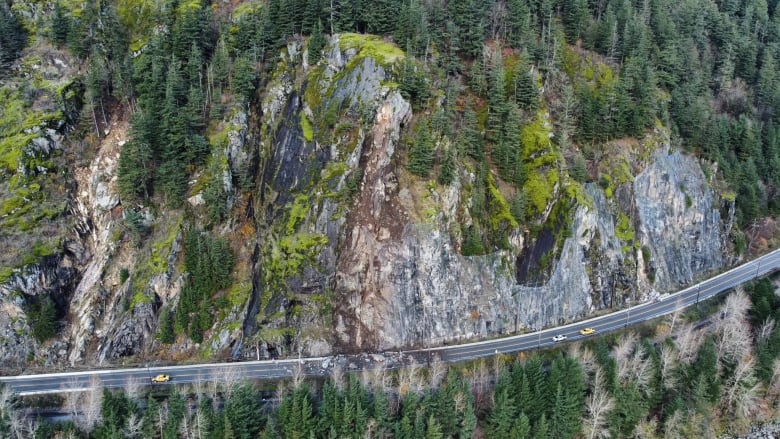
(230, 180)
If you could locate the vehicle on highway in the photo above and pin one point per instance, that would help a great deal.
(559, 337)
(587, 331)
(161, 378)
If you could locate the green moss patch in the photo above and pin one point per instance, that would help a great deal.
(239, 293)
(157, 261)
(372, 46)
(308, 131)
(291, 254)
(624, 230)
(298, 212)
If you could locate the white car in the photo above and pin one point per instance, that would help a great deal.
(559, 337)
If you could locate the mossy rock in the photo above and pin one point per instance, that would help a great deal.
(384, 53)
(306, 128)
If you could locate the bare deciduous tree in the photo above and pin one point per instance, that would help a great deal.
(741, 388)
(733, 329)
(437, 372)
(133, 387)
(229, 377)
(646, 429)
(185, 428)
(297, 374)
(407, 379)
(766, 329)
(16, 421)
(748, 403)
(337, 375)
(134, 427)
(91, 404)
(688, 342)
(71, 391)
(585, 356)
(598, 404)
(371, 428)
(674, 317)
(622, 353)
(640, 368)
(773, 389)
(673, 424)
(668, 361)
(281, 390)
(375, 377)
(479, 380)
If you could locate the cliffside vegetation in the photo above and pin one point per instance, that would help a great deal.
(679, 379)
(516, 103)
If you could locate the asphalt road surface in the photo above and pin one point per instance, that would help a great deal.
(270, 369)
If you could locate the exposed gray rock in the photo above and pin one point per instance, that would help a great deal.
(130, 334)
(415, 289)
(238, 152)
(196, 200)
(56, 276)
(679, 220)
(769, 430)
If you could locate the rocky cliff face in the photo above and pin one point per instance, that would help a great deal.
(340, 248)
(392, 259)
(411, 287)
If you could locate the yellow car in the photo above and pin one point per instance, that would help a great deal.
(587, 331)
(161, 378)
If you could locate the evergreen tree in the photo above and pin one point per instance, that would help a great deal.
(167, 334)
(521, 427)
(13, 37)
(412, 84)
(470, 139)
(526, 92)
(220, 65)
(768, 91)
(421, 152)
(44, 319)
(316, 43)
(537, 386)
(508, 151)
(477, 77)
(215, 196)
(628, 410)
(311, 17)
(216, 108)
(497, 105)
(242, 410)
(541, 429)
(433, 429)
(448, 168)
(502, 418)
(60, 25)
(244, 77)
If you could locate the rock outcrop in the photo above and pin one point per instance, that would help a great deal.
(343, 249)
(404, 284)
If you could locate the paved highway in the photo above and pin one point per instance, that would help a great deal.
(79, 381)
